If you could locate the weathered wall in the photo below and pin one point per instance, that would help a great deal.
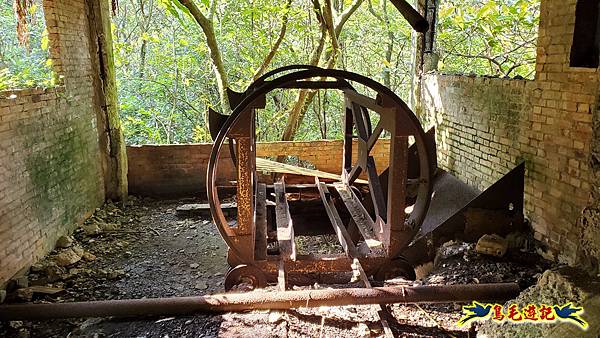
(50, 175)
(485, 126)
(181, 169)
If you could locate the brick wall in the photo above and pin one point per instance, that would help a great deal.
(486, 125)
(50, 175)
(176, 170)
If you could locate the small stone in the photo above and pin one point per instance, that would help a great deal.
(38, 267)
(2, 296)
(91, 229)
(15, 324)
(78, 250)
(275, 316)
(194, 265)
(115, 274)
(363, 330)
(201, 285)
(25, 294)
(69, 256)
(64, 242)
(88, 256)
(55, 273)
(109, 226)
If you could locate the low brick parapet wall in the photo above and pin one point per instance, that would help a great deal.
(180, 169)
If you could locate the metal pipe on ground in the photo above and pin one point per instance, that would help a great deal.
(259, 300)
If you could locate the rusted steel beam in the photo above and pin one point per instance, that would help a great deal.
(285, 227)
(382, 313)
(361, 217)
(340, 230)
(260, 240)
(262, 301)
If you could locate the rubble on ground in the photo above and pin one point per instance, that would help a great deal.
(555, 286)
(146, 249)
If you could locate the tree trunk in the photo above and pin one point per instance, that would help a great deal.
(215, 54)
(267, 61)
(334, 28)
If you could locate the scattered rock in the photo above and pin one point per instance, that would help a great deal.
(275, 316)
(24, 333)
(115, 274)
(15, 324)
(55, 273)
(108, 226)
(25, 295)
(493, 245)
(201, 285)
(363, 330)
(64, 242)
(91, 229)
(38, 267)
(194, 265)
(88, 256)
(69, 256)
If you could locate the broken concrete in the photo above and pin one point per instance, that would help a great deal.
(69, 256)
(64, 242)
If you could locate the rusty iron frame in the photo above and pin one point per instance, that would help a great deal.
(391, 227)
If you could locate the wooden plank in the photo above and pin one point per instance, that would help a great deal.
(361, 217)
(260, 241)
(285, 228)
(336, 221)
(262, 164)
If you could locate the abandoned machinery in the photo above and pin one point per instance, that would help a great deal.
(385, 220)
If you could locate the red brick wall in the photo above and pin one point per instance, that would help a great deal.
(485, 126)
(50, 172)
(181, 169)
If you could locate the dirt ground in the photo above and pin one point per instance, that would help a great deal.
(144, 249)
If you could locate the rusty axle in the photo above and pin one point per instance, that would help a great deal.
(261, 301)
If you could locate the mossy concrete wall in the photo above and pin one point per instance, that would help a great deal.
(485, 126)
(50, 170)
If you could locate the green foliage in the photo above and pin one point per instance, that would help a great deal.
(488, 37)
(165, 78)
(166, 82)
(24, 66)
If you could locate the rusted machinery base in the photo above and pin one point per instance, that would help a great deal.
(259, 300)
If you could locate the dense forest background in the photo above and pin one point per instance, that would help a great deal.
(173, 57)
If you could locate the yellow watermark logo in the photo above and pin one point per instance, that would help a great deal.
(532, 313)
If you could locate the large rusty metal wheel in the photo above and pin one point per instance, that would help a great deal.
(393, 227)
